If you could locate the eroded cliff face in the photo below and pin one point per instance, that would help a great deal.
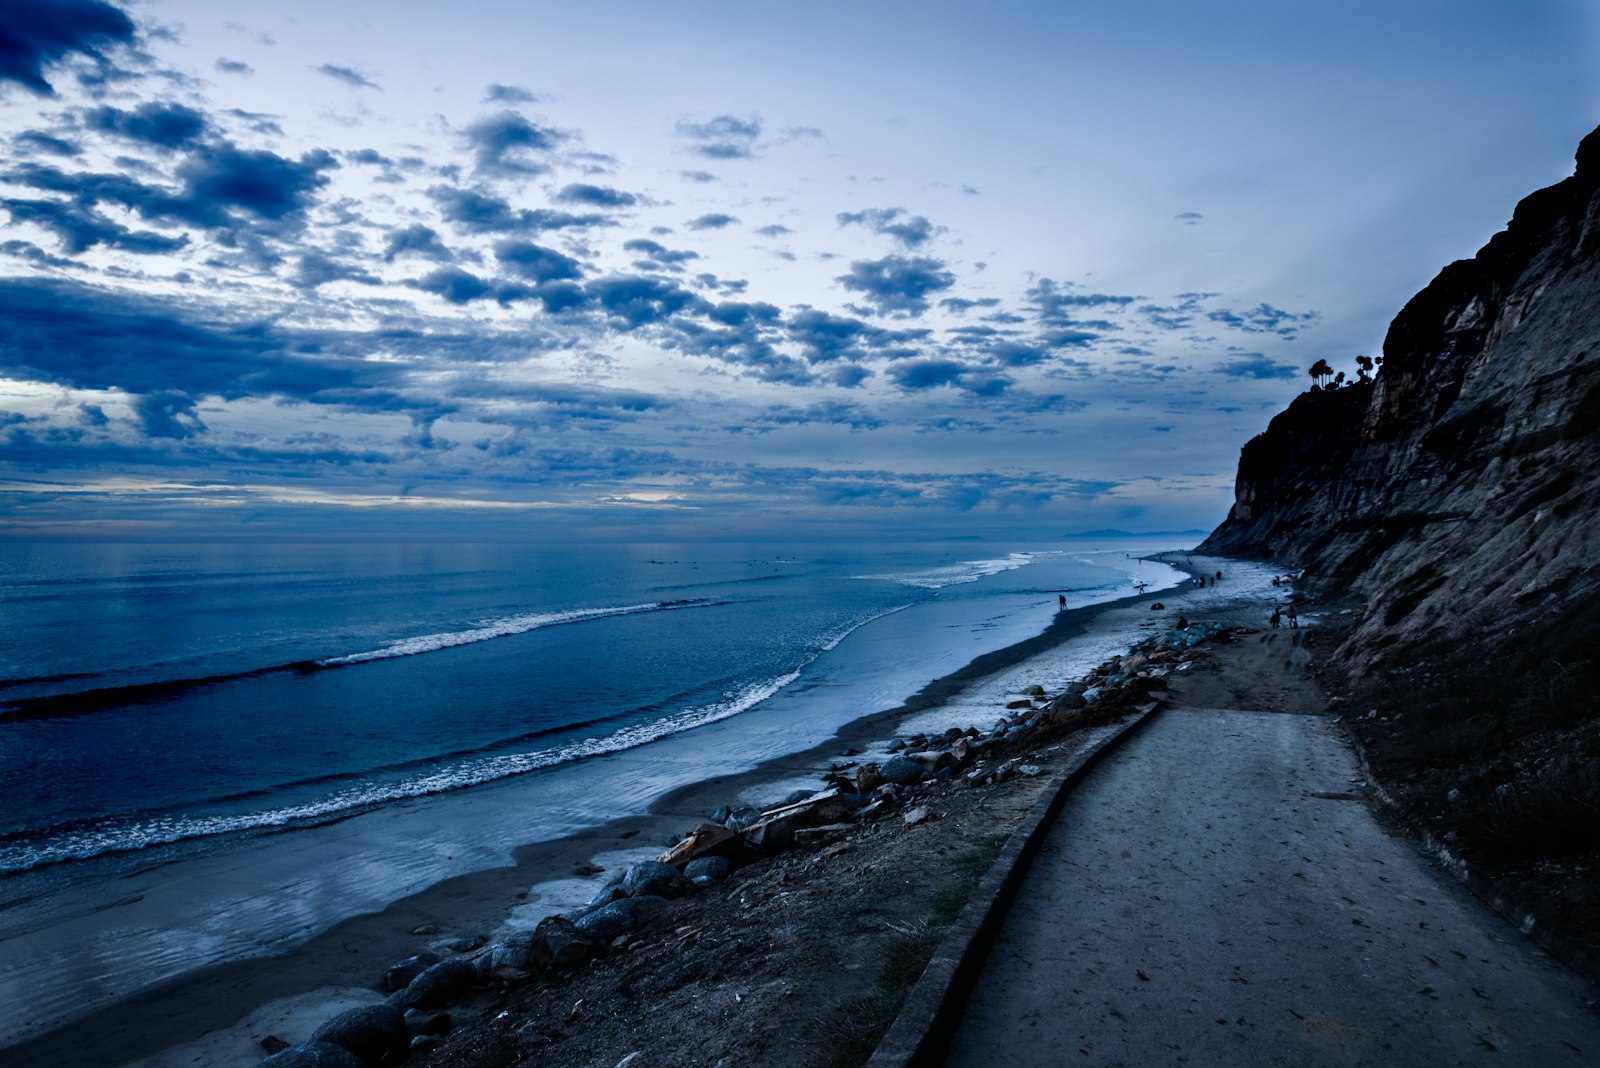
(1458, 493)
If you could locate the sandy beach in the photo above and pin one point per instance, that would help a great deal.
(275, 933)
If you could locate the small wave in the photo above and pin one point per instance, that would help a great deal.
(500, 628)
(80, 845)
(937, 578)
(832, 642)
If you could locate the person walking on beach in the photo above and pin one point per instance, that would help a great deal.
(1276, 618)
(1063, 599)
(1294, 620)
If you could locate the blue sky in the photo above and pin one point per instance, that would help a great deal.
(714, 269)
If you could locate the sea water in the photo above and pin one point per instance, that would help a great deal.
(157, 694)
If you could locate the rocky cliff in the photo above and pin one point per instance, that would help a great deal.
(1458, 493)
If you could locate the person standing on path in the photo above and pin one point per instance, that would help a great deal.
(1276, 618)
(1294, 620)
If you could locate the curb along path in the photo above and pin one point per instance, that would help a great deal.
(1218, 893)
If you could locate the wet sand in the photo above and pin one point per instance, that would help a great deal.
(126, 1025)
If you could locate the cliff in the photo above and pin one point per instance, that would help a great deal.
(1457, 494)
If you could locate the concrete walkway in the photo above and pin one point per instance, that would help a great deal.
(1217, 893)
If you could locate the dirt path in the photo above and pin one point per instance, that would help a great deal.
(1218, 893)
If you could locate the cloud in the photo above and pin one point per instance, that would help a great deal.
(962, 305)
(1189, 218)
(475, 212)
(234, 66)
(163, 125)
(348, 75)
(80, 227)
(167, 415)
(416, 240)
(724, 137)
(1263, 319)
(43, 142)
(507, 94)
(595, 196)
(898, 284)
(826, 337)
(711, 221)
(697, 176)
(503, 144)
(911, 231)
(37, 33)
(317, 269)
(653, 255)
(535, 262)
(926, 374)
(1257, 366)
(775, 230)
(264, 184)
(1055, 303)
(634, 300)
(454, 285)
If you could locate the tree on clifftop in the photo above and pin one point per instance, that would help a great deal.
(1319, 371)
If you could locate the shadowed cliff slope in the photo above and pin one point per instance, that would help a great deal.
(1458, 493)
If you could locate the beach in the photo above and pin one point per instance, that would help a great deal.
(303, 920)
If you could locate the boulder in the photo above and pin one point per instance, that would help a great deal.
(421, 1022)
(777, 827)
(868, 778)
(423, 1045)
(557, 943)
(440, 985)
(654, 878)
(608, 921)
(371, 1032)
(515, 951)
(607, 894)
(314, 1055)
(399, 976)
(707, 870)
(901, 770)
(744, 817)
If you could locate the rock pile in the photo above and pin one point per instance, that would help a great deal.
(412, 1021)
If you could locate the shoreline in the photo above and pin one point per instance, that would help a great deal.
(352, 953)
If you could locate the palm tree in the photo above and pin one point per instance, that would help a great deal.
(1319, 371)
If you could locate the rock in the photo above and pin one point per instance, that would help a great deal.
(721, 815)
(1068, 702)
(794, 798)
(371, 1032)
(1158, 607)
(706, 840)
(399, 976)
(607, 894)
(709, 869)
(423, 1045)
(1024, 703)
(426, 929)
(868, 778)
(557, 943)
(273, 1044)
(654, 878)
(1034, 691)
(874, 810)
(743, 818)
(419, 1022)
(901, 770)
(314, 1055)
(1030, 770)
(914, 816)
(514, 951)
(608, 921)
(440, 985)
(465, 945)
(777, 826)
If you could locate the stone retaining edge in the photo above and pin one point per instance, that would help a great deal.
(920, 1034)
(1577, 957)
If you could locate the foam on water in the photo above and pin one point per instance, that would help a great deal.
(937, 578)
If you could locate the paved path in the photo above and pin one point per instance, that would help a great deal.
(1216, 894)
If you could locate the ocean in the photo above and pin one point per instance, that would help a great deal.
(161, 695)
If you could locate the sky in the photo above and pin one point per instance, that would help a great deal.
(631, 270)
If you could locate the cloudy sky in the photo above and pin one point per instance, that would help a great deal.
(631, 269)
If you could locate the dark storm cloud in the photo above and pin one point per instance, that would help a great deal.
(653, 255)
(898, 284)
(162, 125)
(80, 227)
(712, 221)
(37, 33)
(724, 137)
(1256, 365)
(595, 196)
(911, 231)
(535, 262)
(503, 145)
(219, 178)
(1263, 319)
(416, 240)
(348, 75)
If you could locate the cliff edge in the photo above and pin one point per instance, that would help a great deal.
(1458, 492)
